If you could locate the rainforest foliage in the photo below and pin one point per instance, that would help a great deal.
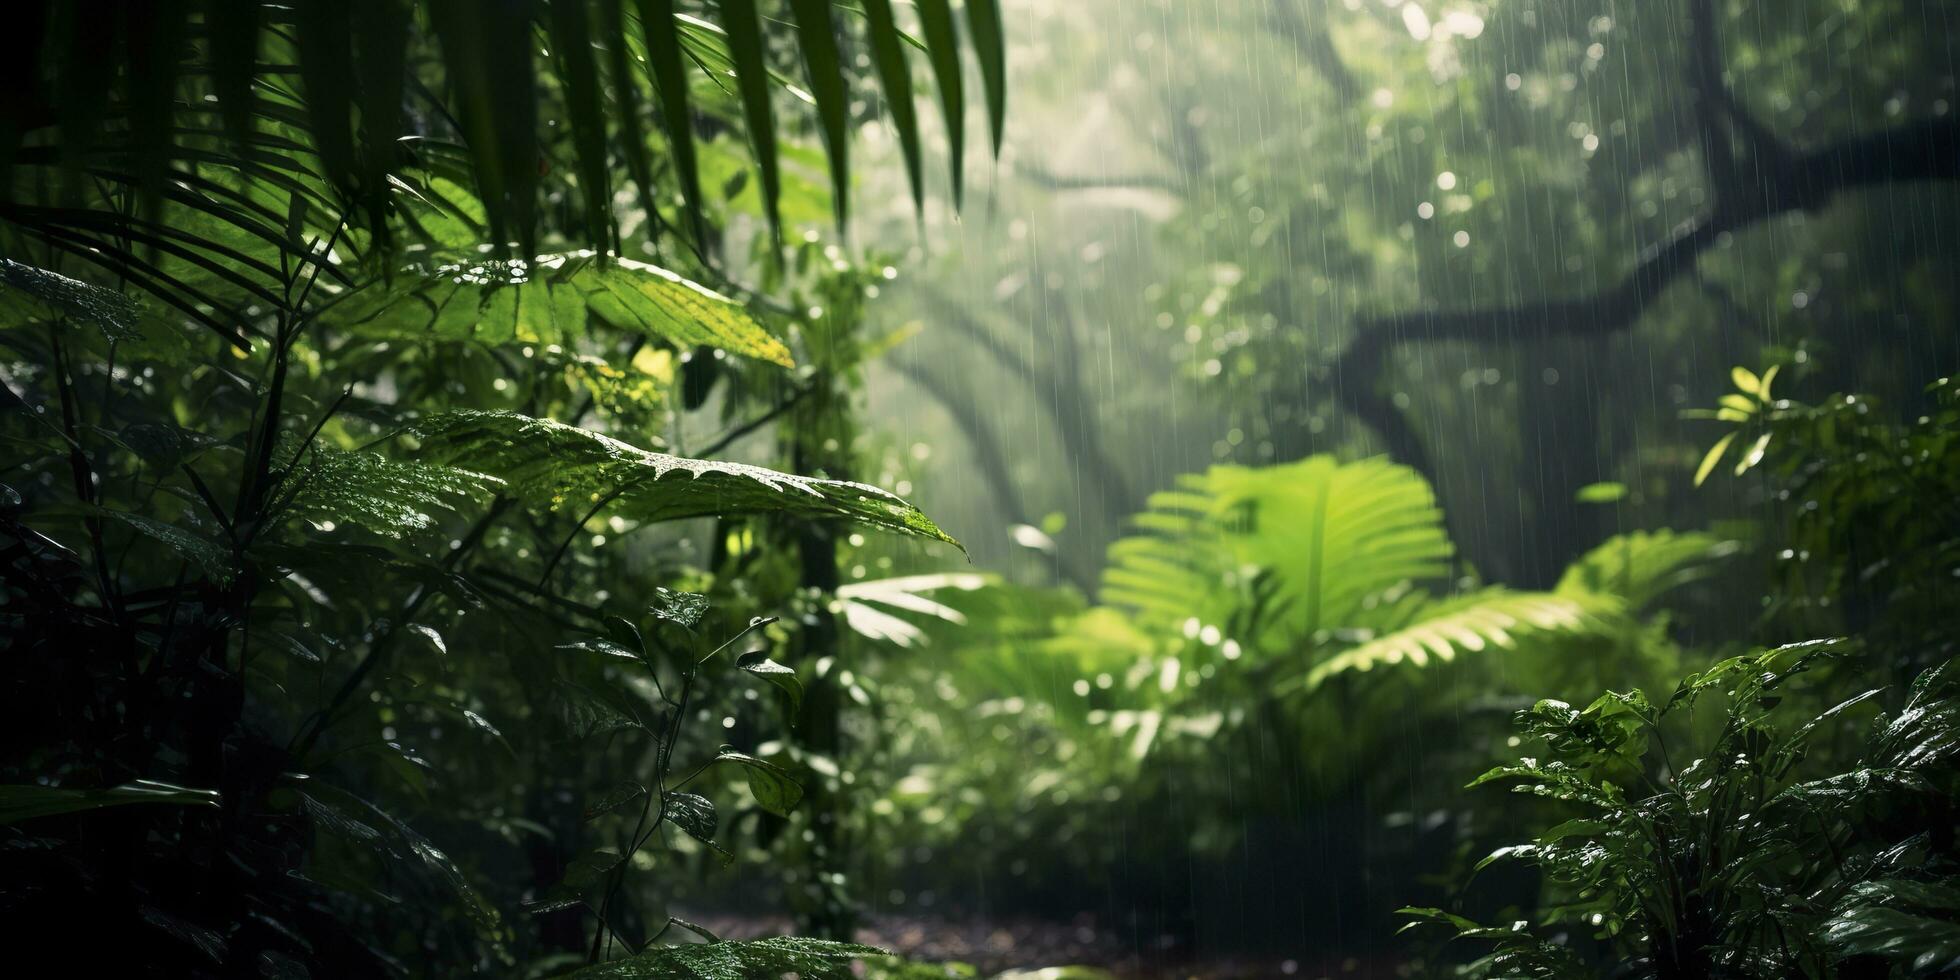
(488, 486)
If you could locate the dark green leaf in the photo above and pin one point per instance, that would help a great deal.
(669, 67)
(683, 609)
(759, 664)
(888, 54)
(693, 814)
(824, 64)
(772, 788)
(745, 45)
(989, 36)
(943, 47)
(26, 802)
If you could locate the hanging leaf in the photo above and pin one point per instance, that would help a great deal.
(824, 64)
(943, 49)
(683, 609)
(888, 54)
(759, 665)
(693, 814)
(772, 788)
(747, 48)
(989, 36)
(670, 85)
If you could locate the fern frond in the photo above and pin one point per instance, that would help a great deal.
(1491, 618)
(551, 301)
(1323, 535)
(551, 464)
(1639, 567)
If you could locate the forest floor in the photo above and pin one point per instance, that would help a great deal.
(994, 945)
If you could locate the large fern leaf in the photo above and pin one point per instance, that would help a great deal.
(1492, 618)
(551, 464)
(1325, 536)
(1639, 567)
(551, 301)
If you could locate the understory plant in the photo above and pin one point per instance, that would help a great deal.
(350, 354)
(1755, 857)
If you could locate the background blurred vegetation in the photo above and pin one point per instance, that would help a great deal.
(432, 545)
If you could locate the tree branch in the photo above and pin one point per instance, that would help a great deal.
(1921, 151)
(1316, 47)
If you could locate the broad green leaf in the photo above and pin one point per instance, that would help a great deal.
(1313, 540)
(551, 300)
(551, 464)
(772, 788)
(392, 498)
(1926, 944)
(1746, 381)
(26, 802)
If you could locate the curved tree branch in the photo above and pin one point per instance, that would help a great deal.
(1927, 150)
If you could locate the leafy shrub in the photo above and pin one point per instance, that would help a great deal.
(1754, 858)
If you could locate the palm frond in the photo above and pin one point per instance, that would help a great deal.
(366, 60)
